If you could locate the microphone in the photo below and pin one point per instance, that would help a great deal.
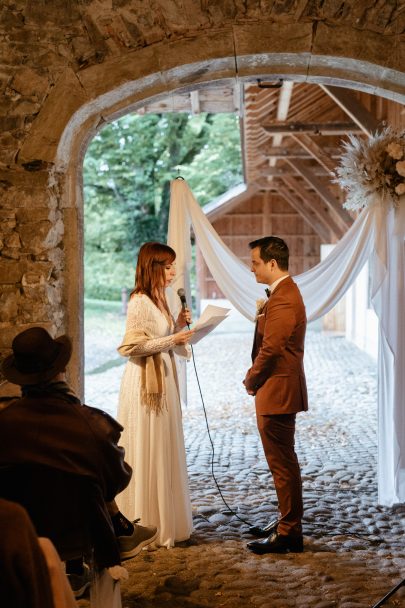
(182, 295)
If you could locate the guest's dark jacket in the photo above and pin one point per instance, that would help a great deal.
(48, 426)
(55, 430)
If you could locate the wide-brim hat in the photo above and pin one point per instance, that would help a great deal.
(37, 357)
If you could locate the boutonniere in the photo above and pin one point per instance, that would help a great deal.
(260, 304)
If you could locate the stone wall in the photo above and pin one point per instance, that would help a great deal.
(70, 65)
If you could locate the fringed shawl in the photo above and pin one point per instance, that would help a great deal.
(153, 394)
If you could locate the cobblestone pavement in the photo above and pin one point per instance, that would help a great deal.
(354, 549)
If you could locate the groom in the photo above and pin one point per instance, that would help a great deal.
(277, 380)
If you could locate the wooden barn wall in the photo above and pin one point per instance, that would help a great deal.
(264, 214)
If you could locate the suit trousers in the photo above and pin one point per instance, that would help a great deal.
(277, 434)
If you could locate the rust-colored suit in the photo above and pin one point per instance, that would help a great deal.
(278, 380)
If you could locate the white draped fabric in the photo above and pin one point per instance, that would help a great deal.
(377, 236)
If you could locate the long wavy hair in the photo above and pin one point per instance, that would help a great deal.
(150, 275)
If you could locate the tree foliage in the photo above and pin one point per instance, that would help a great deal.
(127, 173)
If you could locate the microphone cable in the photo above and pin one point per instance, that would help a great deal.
(232, 511)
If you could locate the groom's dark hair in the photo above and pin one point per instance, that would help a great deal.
(272, 248)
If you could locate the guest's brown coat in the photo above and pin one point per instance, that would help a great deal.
(277, 372)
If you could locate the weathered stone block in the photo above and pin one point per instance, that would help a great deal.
(29, 83)
(55, 235)
(6, 214)
(33, 236)
(11, 272)
(10, 253)
(32, 279)
(40, 268)
(8, 224)
(9, 305)
(13, 241)
(25, 216)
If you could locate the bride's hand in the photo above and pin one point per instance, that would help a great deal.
(184, 318)
(182, 337)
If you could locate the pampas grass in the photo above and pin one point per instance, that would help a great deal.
(373, 169)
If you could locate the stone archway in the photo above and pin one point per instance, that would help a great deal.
(47, 174)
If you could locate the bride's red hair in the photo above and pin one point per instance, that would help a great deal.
(150, 271)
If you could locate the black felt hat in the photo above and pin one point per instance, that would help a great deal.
(37, 357)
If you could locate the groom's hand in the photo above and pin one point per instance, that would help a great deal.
(248, 390)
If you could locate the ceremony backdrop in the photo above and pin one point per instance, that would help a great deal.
(377, 235)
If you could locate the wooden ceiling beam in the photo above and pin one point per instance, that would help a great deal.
(268, 151)
(318, 207)
(349, 103)
(195, 102)
(316, 151)
(317, 128)
(340, 214)
(306, 211)
(265, 170)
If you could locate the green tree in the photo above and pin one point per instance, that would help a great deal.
(127, 173)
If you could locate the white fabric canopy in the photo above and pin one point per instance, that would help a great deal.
(377, 235)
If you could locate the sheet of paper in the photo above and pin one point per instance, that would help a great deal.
(210, 318)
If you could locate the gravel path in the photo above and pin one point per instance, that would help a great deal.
(354, 549)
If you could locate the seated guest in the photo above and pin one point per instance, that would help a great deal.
(25, 579)
(48, 426)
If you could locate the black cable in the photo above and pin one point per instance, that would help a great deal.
(245, 521)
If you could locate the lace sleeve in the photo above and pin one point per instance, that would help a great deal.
(141, 315)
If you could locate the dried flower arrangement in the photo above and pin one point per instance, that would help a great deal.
(373, 168)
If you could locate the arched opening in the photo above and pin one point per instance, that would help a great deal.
(92, 115)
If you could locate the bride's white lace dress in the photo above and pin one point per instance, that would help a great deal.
(154, 444)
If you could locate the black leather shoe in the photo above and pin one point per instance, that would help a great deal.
(277, 543)
(264, 532)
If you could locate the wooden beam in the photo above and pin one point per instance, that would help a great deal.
(349, 103)
(316, 151)
(319, 208)
(306, 211)
(238, 98)
(195, 102)
(340, 214)
(317, 128)
(268, 151)
(265, 170)
(284, 100)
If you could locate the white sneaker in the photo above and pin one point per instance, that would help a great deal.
(133, 544)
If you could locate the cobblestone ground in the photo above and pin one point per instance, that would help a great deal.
(354, 549)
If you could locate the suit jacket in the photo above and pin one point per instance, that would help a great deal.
(277, 372)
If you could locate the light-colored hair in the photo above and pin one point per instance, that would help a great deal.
(150, 271)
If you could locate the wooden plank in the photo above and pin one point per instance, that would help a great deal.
(349, 103)
(340, 214)
(195, 102)
(306, 211)
(318, 128)
(316, 151)
(320, 210)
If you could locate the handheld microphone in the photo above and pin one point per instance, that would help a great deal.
(182, 295)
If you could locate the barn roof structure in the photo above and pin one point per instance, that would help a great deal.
(292, 136)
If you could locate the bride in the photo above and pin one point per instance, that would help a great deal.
(149, 404)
